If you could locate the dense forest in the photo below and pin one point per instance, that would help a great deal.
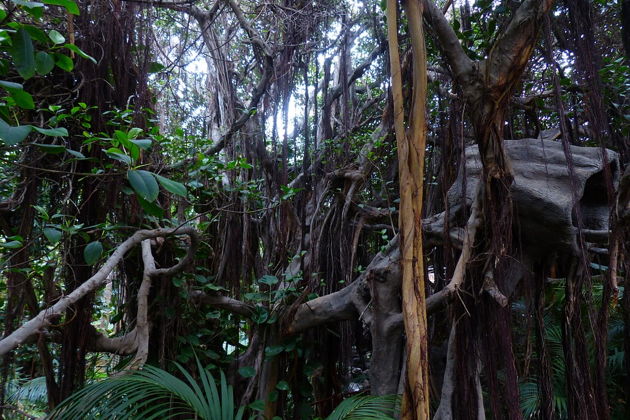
(302, 209)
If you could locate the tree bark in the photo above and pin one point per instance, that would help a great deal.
(411, 147)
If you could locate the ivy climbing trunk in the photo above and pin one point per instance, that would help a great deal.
(411, 148)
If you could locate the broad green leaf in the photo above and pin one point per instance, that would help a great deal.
(155, 67)
(11, 244)
(134, 132)
(56, 37)
(144, 144)
(80, 52)
(10, 85)
(118, 155)
(23, 54)
(144, 184)
(55, 132)
(69, 5)
(13, 135)
(44, 63)
(258, 405)
(151, 209)
(122, 138)
(268, 280)
(22, 98)
(247, 372)
(53, 235)
(134, 151)
(63, 62)
(171, 186)
(36, 33)
(51, 148)
(92, 252)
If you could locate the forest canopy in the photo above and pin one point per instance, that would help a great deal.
(301, 209)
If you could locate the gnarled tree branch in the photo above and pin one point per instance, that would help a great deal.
(42, 319)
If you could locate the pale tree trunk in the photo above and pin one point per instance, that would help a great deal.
(411, 146)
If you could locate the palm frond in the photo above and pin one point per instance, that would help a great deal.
(31, 392)
(366, 407)
(151, 393)
(530, 399)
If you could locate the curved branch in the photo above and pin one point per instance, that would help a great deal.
(336, 306)
(43, 318)
(511, 51)
(460, 63)
(474, 221)
(223, 302)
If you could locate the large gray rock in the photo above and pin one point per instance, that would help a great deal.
(544, 211)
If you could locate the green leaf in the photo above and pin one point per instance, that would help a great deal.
(151, 209)
(122, 138)
(69, 5)
(382, 407)
(63, 62)
(144, 184)
(10, 85)
(80, 52)
(22, 98)
(144, 144)
(282, 386)
(76, 153)
(155, 67)
(118, 155)
(258, 405)
(92, 252)
(268, 280)
(11, 244)
(53, 149)
(53, 235)
(56, 37)
(36, 33)
(260, 315)
(42, 212)
(54, 132)
(172, 186)
(13, 135)
(44, 63)
(23, 55)
(134, 132)
(271, 351)
(247, 372)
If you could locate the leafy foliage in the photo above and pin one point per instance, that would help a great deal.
(366, 407)
(152, 393)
